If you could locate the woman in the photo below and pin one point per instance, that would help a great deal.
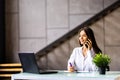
(81, 57)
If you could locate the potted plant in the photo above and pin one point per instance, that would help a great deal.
(102, 61)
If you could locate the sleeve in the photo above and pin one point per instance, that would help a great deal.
(91, 53)
(72, 58)
(91, 64)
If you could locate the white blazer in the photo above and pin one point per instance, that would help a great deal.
(80, 62)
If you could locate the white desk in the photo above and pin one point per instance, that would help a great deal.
(63, 75)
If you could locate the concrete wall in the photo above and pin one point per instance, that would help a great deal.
(33, 24)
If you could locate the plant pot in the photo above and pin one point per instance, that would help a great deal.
(102, 70)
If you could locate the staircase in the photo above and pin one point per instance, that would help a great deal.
(7, 69)
(73, 32)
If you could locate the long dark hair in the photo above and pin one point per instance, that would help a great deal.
(90, 35)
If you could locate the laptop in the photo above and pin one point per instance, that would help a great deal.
(29, 64)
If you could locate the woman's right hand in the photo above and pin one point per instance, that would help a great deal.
(88, 44)
(71, 69)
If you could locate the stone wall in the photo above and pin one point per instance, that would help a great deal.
(33, 24)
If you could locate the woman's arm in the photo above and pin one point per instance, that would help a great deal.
(71, 65)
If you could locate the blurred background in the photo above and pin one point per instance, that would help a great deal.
(30, 26)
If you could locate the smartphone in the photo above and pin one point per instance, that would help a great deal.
(86, 44)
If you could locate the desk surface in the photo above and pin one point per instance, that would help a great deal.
(64, 75)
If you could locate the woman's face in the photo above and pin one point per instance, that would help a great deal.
(82, 37)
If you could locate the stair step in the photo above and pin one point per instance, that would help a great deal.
(10, 65)
(5, 75)
(11, 70)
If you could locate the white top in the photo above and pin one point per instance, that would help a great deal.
(80, 62)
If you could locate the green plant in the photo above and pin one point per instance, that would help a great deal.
(101, 60)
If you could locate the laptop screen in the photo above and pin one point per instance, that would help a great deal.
(28, 62)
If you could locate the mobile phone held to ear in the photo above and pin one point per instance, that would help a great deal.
(86, 45)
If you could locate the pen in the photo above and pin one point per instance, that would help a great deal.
(70, 65)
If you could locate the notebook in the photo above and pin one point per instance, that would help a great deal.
(29, 64)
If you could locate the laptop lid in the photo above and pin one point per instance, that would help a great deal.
(28, 62)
